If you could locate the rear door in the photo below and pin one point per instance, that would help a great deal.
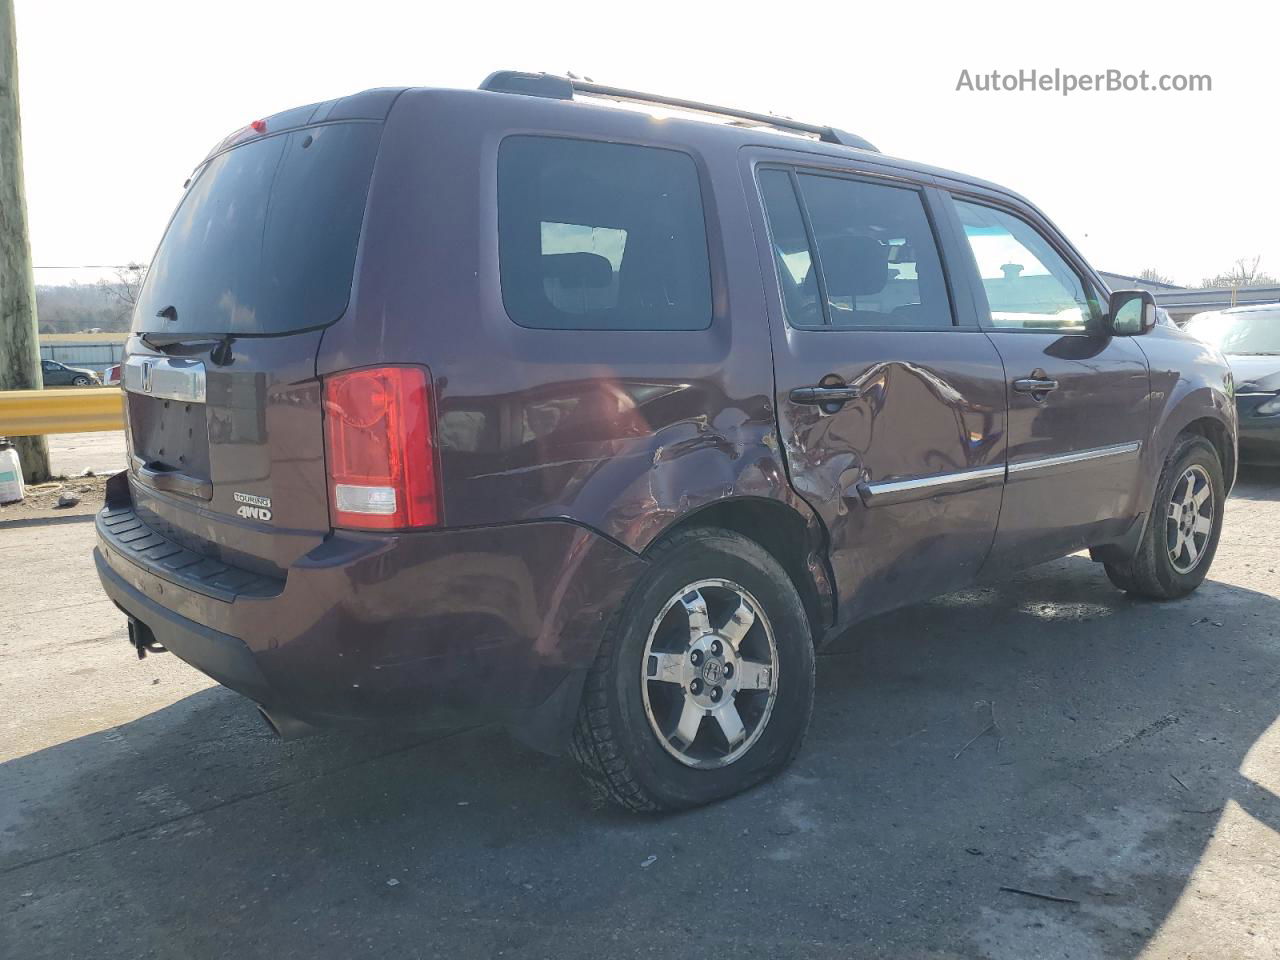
(222, 401)
(1078, 399)
(890, 405)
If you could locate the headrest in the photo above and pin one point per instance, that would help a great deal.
(854, 266)
(578, 269)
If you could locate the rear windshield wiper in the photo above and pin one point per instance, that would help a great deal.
(221, 354)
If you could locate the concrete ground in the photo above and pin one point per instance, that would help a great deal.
(70, 454)
(1134, 771)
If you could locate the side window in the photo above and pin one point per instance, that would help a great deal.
(601, 236)
(1028, 285)
(791, 255)
(877, 255)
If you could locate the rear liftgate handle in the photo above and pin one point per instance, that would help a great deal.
(160, 476)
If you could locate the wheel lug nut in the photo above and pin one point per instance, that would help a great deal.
(715, 694)
(728, 670)
(696, 687)
(715, 647)
(696, 657)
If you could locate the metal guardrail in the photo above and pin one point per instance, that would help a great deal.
(28, 413)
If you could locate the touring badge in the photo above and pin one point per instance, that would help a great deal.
(254, 507)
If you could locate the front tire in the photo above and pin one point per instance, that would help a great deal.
(1182, 532)
(80, 382)
(703, 685)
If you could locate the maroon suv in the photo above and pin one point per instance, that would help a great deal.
(516, 404)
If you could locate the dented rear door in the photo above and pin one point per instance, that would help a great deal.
(890, 402)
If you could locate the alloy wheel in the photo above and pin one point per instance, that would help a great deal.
(1190, 519)
(709, 673)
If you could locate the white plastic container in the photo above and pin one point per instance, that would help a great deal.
(10, 475)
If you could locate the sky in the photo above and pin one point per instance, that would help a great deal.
(120, 100)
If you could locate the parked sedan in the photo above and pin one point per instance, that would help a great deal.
(1250, 337)
(60, 375)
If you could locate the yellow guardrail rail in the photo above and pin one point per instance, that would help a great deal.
(29, 413)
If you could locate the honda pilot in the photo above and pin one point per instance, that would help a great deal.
(595, 414)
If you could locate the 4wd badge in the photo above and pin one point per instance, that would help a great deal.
(254, 508)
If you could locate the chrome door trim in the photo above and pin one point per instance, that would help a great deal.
(165, 377)
(889, 492)
(1069, 461)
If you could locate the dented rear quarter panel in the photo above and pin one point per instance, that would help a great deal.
(625, 432)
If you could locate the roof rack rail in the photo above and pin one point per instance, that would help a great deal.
(553, 87)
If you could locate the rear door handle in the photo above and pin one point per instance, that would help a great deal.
(1034, 385)
(823, 394)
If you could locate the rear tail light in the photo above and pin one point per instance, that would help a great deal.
(379, 444)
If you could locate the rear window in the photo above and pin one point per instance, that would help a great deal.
(601, 236)
(265, 239)
(876, 250)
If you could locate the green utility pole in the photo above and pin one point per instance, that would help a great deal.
(19, 337)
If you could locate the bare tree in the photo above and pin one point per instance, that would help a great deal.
(1244, 273)
(75, 308)
(122, 292)
(1152, 275)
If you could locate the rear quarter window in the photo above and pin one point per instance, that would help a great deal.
(601, 236)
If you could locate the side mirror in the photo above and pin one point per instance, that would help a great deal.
(1130, 313)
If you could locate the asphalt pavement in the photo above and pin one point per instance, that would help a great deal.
(1046, 735)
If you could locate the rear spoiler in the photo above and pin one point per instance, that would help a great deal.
(368, 105)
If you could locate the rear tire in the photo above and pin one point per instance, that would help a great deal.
(1177, 549)
(703, 685)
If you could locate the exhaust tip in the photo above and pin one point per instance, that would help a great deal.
(286, 727)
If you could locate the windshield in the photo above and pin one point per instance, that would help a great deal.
(264, 241)
(1239, 333)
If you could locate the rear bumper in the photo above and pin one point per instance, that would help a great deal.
(223, 657)
(418, 630)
